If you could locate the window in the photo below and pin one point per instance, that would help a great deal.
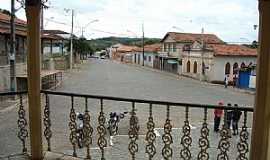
(186, 47)
(174, 47)
(203, 68)
(164, 47)
(188, 66)
(144, 58)
(149, 58)
(195, 67)
(227, 68)
(235, 68)
(169, 47)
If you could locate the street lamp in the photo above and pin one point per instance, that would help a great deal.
(93, 21)
(177, 28)
(134, 34)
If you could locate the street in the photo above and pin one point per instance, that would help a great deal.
(105, 77)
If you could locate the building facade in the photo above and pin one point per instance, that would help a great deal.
(174, 44)
(215, 61)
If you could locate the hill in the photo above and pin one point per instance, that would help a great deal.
(102, 43)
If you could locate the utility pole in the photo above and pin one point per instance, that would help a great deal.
(12, 55)
(82, 32)
(143, 43)
(71, 39)
(202, 65)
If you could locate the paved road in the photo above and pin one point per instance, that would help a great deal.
(104, 77)
(110, 78)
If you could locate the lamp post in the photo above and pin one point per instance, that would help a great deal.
(71, 36)
(83, 28)
(177, 28)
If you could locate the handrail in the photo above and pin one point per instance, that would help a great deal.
(12, 93)
(191, 105)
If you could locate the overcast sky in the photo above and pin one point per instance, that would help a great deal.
(231, 20)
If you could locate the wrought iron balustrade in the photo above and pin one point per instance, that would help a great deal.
(22, 121)
(151, 147)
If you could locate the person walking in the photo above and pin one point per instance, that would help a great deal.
(229, 116)
(229, 119)
(218, 114)
(235, 119)
(226, 81)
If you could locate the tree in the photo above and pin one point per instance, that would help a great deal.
(81, 47)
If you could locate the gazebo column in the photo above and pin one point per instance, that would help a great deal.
(260, 146)
(33, 68)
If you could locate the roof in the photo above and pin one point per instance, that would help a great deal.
(55, 32)
(192, 37)
(125, 48)
(231, 50)
(18, 32)
(153, 47)
(6, 18)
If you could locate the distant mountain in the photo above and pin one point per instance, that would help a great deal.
(102, 43)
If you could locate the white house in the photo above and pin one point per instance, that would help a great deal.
(213, 61)
(173, 45)
(150, 54)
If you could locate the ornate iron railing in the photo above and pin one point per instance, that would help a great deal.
(186, 144)
(22, 122)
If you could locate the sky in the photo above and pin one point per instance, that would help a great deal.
(231, 20)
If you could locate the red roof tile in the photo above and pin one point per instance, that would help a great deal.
(6, 18)
(151, 48)
(7, 31)
(231, 50)
(192, 37)
(125, 48)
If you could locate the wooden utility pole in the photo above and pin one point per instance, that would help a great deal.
(71, 39)
(143, 43)
(202, 56)
(12, 55)
(33, 8)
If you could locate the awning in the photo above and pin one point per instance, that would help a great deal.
(172, 61)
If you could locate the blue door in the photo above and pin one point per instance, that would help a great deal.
(243, 81)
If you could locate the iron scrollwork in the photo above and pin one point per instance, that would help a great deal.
(47, 122)
(150, 135)
(102, 143)
(186, 139)
(133, 132)
(87, 130)
(204, 141)
(22, 123)
(167, 151)
(73, 127)
(224, 143)
(242, 146)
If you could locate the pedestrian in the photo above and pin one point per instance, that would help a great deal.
(229, 119)
(218, 114)
(235, 119)
(226, 81)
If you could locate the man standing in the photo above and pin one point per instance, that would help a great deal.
(235, 119)
(218, 113)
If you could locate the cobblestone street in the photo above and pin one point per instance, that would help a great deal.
(104, 77)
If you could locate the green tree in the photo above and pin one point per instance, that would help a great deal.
(81, 47)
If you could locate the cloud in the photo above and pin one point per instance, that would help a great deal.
(229, 19)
